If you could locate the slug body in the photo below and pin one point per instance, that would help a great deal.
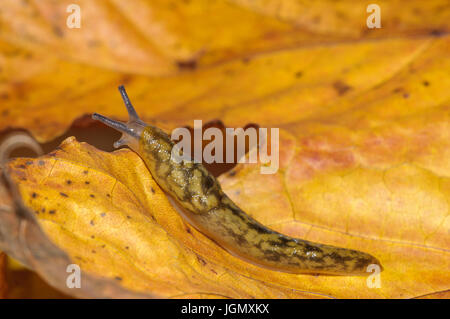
(198, 196)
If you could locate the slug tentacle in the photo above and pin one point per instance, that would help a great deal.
(132, 130)
(198, 196)
(133, 116)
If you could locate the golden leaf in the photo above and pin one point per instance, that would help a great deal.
(106, 211)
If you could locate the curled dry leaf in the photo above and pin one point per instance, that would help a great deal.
(3, 285)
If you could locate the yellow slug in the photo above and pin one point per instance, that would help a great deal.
(197, 195)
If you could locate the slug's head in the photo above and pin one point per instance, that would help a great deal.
(131, 130)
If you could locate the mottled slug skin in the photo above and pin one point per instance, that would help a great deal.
(212, 212)
(200, 199)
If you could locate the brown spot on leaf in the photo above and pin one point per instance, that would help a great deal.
(246, 60)
(436, 33)
(341, 87)
(58, 32)
(188, 65)
(201, 260)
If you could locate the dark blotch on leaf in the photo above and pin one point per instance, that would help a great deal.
(187, 65)
(436, 33)
(201, 260)
(341, 87)
(58, 32)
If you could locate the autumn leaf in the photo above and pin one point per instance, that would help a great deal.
(3, 285)
(364, 140)
(284, 61)
(110, 216)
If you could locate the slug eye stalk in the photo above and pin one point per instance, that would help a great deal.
(130, 130)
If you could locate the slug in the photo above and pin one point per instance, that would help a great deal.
(198, 196)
